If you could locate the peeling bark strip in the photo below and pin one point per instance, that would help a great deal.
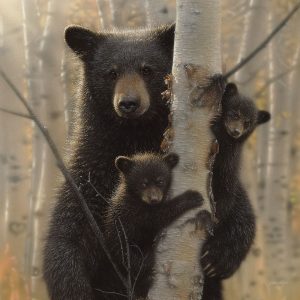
(196, 96)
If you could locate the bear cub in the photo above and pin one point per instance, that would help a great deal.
(223, 253)
(139, 210)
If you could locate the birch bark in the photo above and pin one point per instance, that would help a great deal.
(44, 54)
(15, 135)
(197, 41)
(277, 173)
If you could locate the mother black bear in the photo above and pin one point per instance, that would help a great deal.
(121, 113)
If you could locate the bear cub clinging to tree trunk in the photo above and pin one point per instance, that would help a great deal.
(139, 210)
(223, 252)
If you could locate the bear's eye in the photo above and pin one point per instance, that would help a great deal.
(144, 183)
(247, 124)
(160, 182)
(233, 115)
(113, 74)
(146, 70)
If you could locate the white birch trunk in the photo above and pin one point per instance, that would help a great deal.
(15, 136)
(43, 63)
(106, 14)
(128, 13)
(277, 173)
(197, 41)
(294, 231)
(158, 12)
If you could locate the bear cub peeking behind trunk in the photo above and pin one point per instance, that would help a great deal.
(139, 210)
(233, 236)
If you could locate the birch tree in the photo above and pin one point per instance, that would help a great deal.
(294, 167)
(15, 149)
(106, 12)
(44, 53)
(277, 172)
(196, 58)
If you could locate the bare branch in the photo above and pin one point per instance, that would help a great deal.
(141, 266)
(98, 194)
(15, 113)
(121, 244)
(264, 43)
(113, 293)
(128, 261)
(66, 174)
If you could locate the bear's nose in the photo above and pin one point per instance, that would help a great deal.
(236, 132)
(129, 104)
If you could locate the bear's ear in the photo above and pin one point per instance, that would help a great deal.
(166, 36)
(81, 40)
(231, 89)
(263, 116)
(171, 159)
(124, 164)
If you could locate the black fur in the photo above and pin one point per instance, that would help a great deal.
(234, 233)
(71, 255)
(141, 221)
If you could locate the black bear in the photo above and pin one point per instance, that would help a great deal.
(223, 252)
(137, 213)
(121, 113)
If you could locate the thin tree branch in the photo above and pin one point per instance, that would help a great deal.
(273, 80)
(11, 112)
(264, 43)
(141, 266)
(130, 295)
(113, 293)
(66, 174)
(121, 244)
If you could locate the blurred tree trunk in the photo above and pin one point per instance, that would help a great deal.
(106, 13)
(15, 138)
(129, 13)
(197, 41)
(44, 53)
(294, 205)
(158, 12)
(277, 173)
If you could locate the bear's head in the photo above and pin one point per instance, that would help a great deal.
(147, 177)
(124, 70)
(240, 114)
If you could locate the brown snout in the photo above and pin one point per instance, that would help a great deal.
(128, 104)
(152, 195)
(235, 128)
(131, 98)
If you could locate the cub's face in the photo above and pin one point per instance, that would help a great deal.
(124, 71)
(147, 176)
(240, 119)
(240, 114)
(152, 189)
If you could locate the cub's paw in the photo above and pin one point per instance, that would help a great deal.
(216, 263)
(193, 196)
